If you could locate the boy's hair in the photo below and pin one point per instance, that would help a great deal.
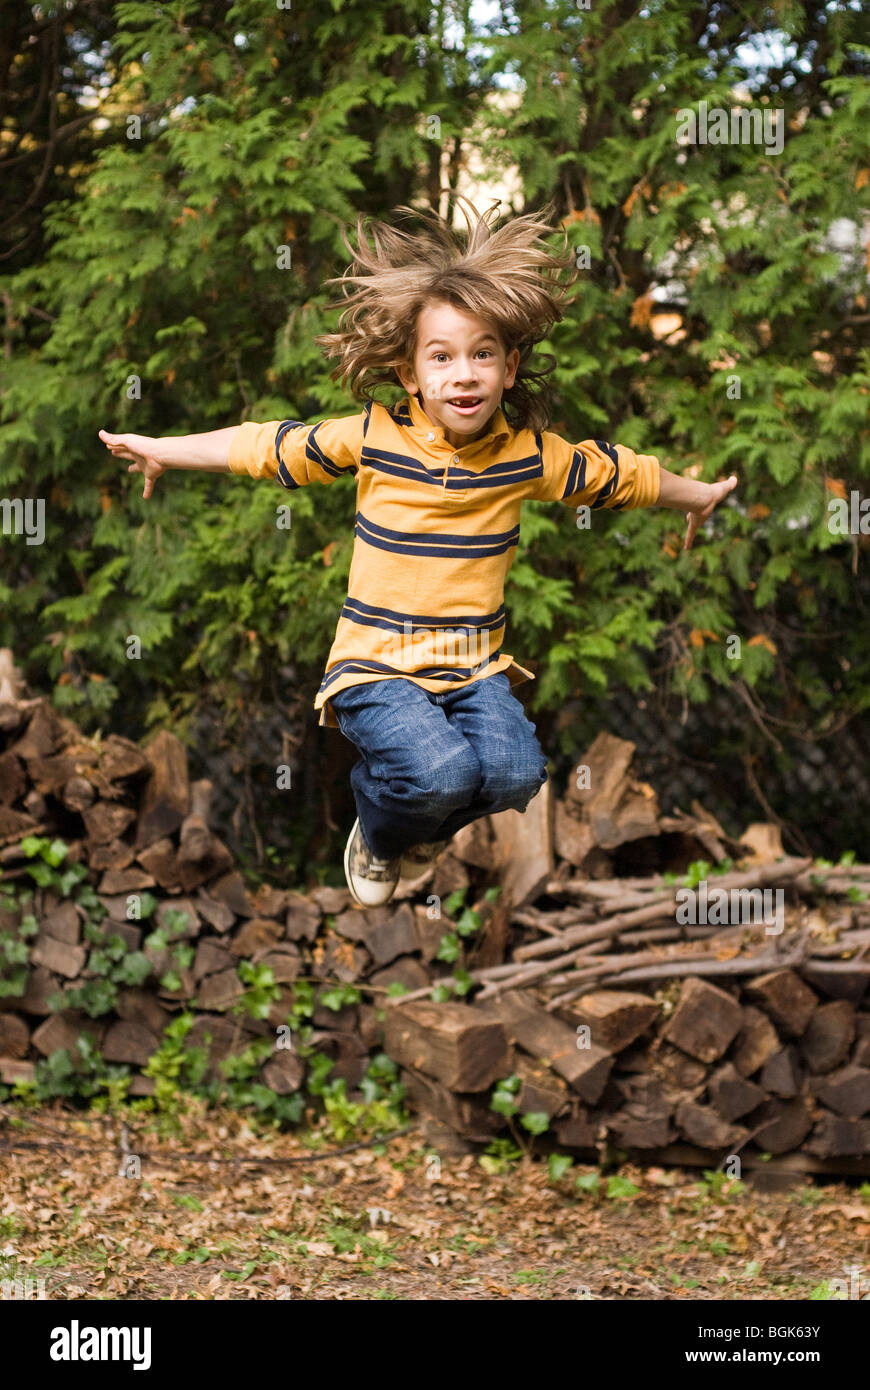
(508, 276)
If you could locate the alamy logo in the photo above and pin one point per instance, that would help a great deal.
(24, 517)
(742, 125)
(443, 646)
(75, 1343)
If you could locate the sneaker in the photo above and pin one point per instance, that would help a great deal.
(417, 858)
(371, 881)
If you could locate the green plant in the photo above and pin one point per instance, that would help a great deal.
(499, 1156)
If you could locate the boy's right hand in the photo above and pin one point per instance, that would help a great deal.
(143, 450)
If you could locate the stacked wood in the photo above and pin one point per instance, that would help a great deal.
(623, 1023)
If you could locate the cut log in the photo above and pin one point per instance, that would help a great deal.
(847, 1091)
(861, 1050)
(187, 908)
(41, 985)
(450, 876)
(48, 775)
(126, 881)
(218, 915)
(586, 1069)
(165, 799)
(786, 999)
(220, 1036)
(782, 1073)
(429, 932)
(230, 890)
(270, 902)
(829, 1036)
(140, 1006)
(285, 963)
(14, 1036)
(63, 923)
(77, 794)
(211, 957)
(257, 934)
(573, 838)
(58, 956)
(839, 979)
(466, 1114)
(615, 1018)
(45, 734)
(117, 854)
(523, 848)
(617, 808)
(219, 991)
(106, 820)
(633, 1129)
(836, 1136)
(701, 1125)
(129, 1042)
(63, 1031)
(405, 971)
(763, 842)
(452, 1043)
(330, 900)
(579, 1130)
(334, 958)
(302, 919)
(473, 844)
(705, 1021)
(541, 1092)
(161, 861)
(782, 1125)
(731, 1094)
(13, 781)
(756, 1042)
(283, 1072)
(12, 1071)
(120, 759)
(386, 934)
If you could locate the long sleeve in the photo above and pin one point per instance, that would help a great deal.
(296, 454)
(597, 474)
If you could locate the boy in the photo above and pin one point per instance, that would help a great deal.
(416, 677)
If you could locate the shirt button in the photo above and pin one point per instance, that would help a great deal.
(430, 437)
(455, 458)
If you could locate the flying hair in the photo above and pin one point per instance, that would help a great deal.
(507, 275)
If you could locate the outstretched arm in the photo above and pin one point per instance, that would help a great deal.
(151, 457)
(697, 500)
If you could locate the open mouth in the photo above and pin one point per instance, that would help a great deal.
(466, 405)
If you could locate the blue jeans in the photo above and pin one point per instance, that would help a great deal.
(431, 763)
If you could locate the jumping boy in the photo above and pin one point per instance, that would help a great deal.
(416, 678)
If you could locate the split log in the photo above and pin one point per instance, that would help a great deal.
(14, 1036)
(780, 1125)
(523, 848)
(165, 799)
(829, 1036)
(757, 1041)
(847, 1091)
(838, 1135)
(453, 1043)
(467, 1114)
(705, 1021)
(731, 1094)
(701, 1125)
(283, 1072)
(106, 820)
(129, 1042)
(586, 1069)
(784, 996)
(782, 1073)
(615, 1018)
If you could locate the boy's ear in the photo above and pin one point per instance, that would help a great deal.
(512, 362)
(405, 372)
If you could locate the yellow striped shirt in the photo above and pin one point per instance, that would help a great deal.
(436, 531)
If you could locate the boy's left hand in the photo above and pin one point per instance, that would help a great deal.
(716, 492)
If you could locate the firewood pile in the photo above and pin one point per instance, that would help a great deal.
(639, 1007)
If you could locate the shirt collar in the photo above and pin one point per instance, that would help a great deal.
(498, 425)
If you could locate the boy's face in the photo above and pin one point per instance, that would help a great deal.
(460, 369)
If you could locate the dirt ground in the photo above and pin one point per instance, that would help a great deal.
(398, 1222)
